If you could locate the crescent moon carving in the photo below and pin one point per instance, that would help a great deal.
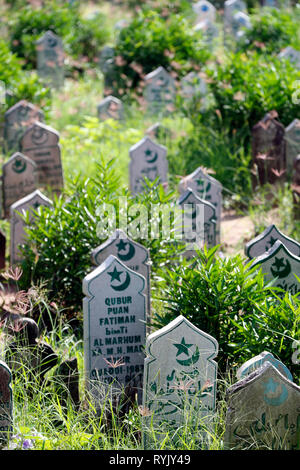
(127, 256)
(124, 285)
(192, 360)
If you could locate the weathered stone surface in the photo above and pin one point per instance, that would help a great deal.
(180, 374)
(114, 328)
(193, 84)
(230, 8)
(263, 412)
(67, 382)
(159, 91)
(147, 159)
(258, 361)
(204, 11)
(50, 59)
(110, 107)
(17, 233)
(41, 144)
(106, 54)
(6, 404)
(265, 240)
(292, 142)
(19, 178)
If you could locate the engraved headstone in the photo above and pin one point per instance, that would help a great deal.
(231, 7)
(18, 179)
(41, 144)
(207, 188)
(50, 59)
(110, 107)
(268, 150)
(147, 159)
(134, 255)
(265, 240)
(291, 54)
(2, 249)
(204, 11)
(17, 225)
(179, 372)
(292, 141)
(240, 22)
(106, 54)
(256, 362)
(263, 412)
(193, 84)
(280, 265)
(159, 91)
(6, 404)
(16, 120)
(114, 328)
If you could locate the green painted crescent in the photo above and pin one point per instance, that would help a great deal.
(124, 285)
(19, 165)
(192, 360)
(130, 254)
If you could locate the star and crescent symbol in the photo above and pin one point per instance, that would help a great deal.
(126, 250)
(115, 275)
(184, 348)
(281, 268)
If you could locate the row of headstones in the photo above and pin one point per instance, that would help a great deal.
(275, 149)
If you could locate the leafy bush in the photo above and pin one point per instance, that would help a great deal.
(226, 299)
(150, 41)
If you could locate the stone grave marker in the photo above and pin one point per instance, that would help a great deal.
(204, 11)
(114, 328)
(280, 265)
(41, 144)
(198, 222)
(106, 54)
(291, 54)
(50, 59)
(230, 8)
(17, 225)
(263, 412)
(159, 91)
(268, 150)
(179, 372)
(110, 107)
(2, 249)
(16, 120)
(240, 22)
(134, 255)
(265, 241)
(292, 141)
(6, 404)
(147, 159)
(193, 84)
(207, 188)
(258, 361)
(19, 178)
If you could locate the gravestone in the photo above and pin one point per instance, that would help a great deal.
(204, 11)
(50, 59)
(291, 54)
(207, 188)
(265, 241)
(268, 150)
(110, 107)
(16, 120)
(180, 374)
(159, 91)
(280, 265)
(67, 383)
(198, 222)
(2, 250)
(106, 54)
(114, 328)
(17, 225)
(295, 187)
(209, 30)
(41, 144)
(193, 84)
(134, 255)
(240, 23)
(19, 178)
(258, 361)
(292, 142)
(6, 404)
(147, 159)
(231, 7)
(263, 412)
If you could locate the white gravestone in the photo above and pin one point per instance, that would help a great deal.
(17, 225)
(265, 240)
(110, 108)
(292, 142)
(280, 265)
(114, 327)
(258, 361)
(50, 59)
(180, 373)
(159, 91)
(240, 23)
(147, 159)
(204, 11)
(231, 7)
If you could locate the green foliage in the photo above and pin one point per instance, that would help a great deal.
(150, 41)
(227, 299)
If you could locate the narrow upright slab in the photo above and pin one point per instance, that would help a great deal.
(110, 107)
(41, 144)
(114, 327)
(240, 23)
(6, 404)
(147, 159)
(16, 120)
(230, 8)
(193, 84)
(50, 59)
(291, 54)
(134, 255)
(159, 91)
(292, 141)
(204, 11)
(280, 265)
(19, 178)
(106, 53)
(208, 188)
(258, 361)
(263, 412)
(179, 372)
(264, 242)
(17, 233)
